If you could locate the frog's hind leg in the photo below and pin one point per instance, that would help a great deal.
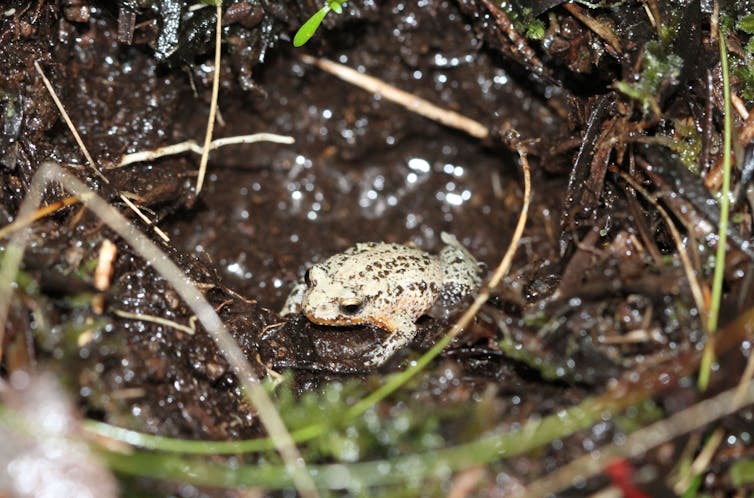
(404, 330)
(461, 271)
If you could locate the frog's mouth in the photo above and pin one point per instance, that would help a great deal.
(340, 321)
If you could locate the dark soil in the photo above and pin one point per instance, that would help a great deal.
(597, 290)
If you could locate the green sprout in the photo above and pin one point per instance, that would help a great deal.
(659, 66)
(307, 30)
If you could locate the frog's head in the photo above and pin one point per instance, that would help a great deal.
(330, 300)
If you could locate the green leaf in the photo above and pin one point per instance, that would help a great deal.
(742, 472)
(336, 6)
(746, 23)
(307, 30)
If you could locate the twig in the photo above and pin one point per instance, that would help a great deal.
(599, 28)
(408, 100)
(68, 121)
(38, 215)
(701, 462)
(518, 44)
(745, 379)
(144, 217)
(740, 106)
(88, 156)
(189, 329)
(213, 102)
(192, 146)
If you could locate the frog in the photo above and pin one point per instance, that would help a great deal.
(388, 286)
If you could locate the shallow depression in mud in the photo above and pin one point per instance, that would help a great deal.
(282, 219)
(362, 169)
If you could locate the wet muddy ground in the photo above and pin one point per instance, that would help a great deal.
(597, 294)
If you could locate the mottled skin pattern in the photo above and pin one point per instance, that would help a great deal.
(385, 285)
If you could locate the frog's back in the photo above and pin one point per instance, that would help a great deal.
(386, 267)
(383, 283)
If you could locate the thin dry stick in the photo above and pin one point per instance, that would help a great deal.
(408, 100)
(688, 268)
(519, 45)
(51, 172)
(745, 378)
(650, 16)
(192, 146)
(740, 106)
(88, 156)
(702, 460)
(189, 329)
(68, 121)
(144, 217)
(600, 29)
(213, 103)
(641, 441)
(505, 263)
(38, 215)
(14, 252)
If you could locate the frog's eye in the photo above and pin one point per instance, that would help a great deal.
(351, 306)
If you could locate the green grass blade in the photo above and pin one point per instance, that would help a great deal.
(717, 280)
(307, 30)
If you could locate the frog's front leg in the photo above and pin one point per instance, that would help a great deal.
(295, 298)
(404, 330)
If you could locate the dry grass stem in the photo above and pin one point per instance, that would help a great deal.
(744, 381)
(144, 217)
(192, 146)
(88, 156)
(38, 215)
(505, 262)
(740, 106)
(69, 122)
(599, 28)
(408, 100)
(702, 461)
(190, 329)
(213, 101)
(650, 15)
(519, 46)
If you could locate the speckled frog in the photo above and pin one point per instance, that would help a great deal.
(386, 285)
